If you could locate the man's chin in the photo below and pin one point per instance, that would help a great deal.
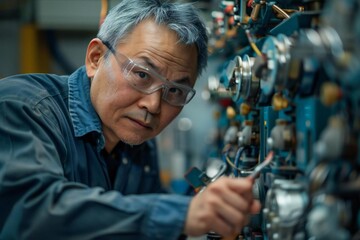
(133, 141)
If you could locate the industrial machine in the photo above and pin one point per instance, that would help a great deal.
(290, 87)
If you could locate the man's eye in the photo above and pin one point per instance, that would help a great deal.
(142, 75)
(175, 90)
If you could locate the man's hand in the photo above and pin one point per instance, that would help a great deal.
(223, 207)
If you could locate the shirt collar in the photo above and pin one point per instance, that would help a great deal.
(83, 115)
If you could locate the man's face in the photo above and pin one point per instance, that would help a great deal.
(128, 115)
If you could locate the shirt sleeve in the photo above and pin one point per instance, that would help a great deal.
(38, 202)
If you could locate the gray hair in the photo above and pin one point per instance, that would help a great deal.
(183, 18)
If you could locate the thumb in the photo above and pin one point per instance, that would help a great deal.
(255, 207)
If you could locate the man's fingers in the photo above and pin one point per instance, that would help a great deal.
(240, 185)
(255, 207)
(233, 216)
(237, 201)
(222, 228)
(224, 207)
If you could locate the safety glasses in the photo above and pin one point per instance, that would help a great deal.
(146, 80)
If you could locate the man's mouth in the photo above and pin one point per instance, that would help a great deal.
(142, 123)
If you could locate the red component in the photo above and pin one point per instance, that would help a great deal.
(225, 102)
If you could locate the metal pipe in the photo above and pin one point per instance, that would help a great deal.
(280, 11)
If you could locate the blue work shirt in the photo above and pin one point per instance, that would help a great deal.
(57, 182)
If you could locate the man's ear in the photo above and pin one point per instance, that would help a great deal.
(95, 51)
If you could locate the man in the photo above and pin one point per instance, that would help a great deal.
(77, 155)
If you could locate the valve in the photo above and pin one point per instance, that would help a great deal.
(330, 93)
(275, 71)
(282, 136)
(285, 205)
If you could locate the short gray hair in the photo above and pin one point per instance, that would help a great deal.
(183, 18)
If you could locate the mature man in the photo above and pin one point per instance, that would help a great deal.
(77, 155)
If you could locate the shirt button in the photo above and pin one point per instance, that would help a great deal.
(146, 168)
(125, 161)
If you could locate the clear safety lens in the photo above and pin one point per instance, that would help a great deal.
(148, 81)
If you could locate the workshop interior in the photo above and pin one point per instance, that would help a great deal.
(279, 102)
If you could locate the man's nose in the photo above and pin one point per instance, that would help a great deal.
(152, 101)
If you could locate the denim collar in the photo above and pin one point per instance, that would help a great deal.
(83, 115)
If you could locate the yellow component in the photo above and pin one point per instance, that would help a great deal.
(103, 11)
(245, 109)
(294, 69)
(256, 49)
(279, 102)
(280, 11)
(165, 177)
(34, 54)
(255, 12)
(248, 123)
(345, 59)
(220, 43)
(245, 20)
(230, 33)
(336, 122)
(230, 112)
(330, 93)
(216, 115)
(252, 43)
(281, 122)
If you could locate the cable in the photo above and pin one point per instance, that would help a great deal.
(237, 158)
(226, 157)
(252, 43)
(228, 160)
